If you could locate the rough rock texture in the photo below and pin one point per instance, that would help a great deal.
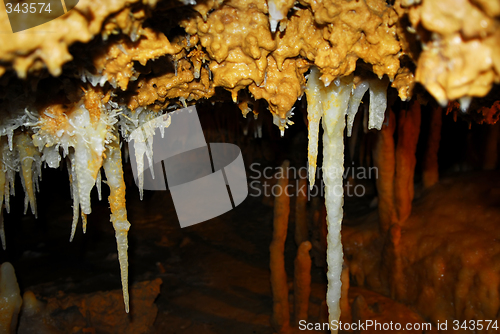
(442, 261)
(460, 46)
(99, 312)
(367, 305)
(227, 45)
(47, 45)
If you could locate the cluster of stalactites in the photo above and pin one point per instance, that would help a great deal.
(85, 134)
(318, 102)
(23, 158)
(332, 104)
(219, 50)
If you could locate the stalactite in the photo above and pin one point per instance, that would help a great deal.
(384, 160)
(140, 148)
(278, 10)
(378, 103)
(335, 108)
(301, 227)
(396, 280)
(391, 264)
(302, 282)
(84, 222)
(74, 194)
(331, 103)
(314, 114)
(89, 141)
(408, 133)
(396, 166)
(10, 162)
(98, 182)
(279, 284)
(430, 174)
(29, 158)
(143, 137)
(354, 102)
(87, 162)
(114, 175)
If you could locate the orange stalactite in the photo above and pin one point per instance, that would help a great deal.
(114, 175)
(279, 284)
(396, 166)
(430, 173)
(391, 264)
(302, 281)
(408, 132)
(301, 228)
(384, 160)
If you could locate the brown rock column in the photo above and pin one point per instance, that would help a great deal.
(280, 319)
(302, 282)
(384, 160)
(408, 132)
(430, 173)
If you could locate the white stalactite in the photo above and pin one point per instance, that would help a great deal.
(89, 146)
(143, 142)
(357, 96)
(85, 181)
(314, 114)
(140, 148)
(74, 194)
(335, 109)
(29, 158)
(10, 167)
(333, 103)
(378, 103)
(278, 10)
(114, 175)
(83, 136)
(98, 182)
